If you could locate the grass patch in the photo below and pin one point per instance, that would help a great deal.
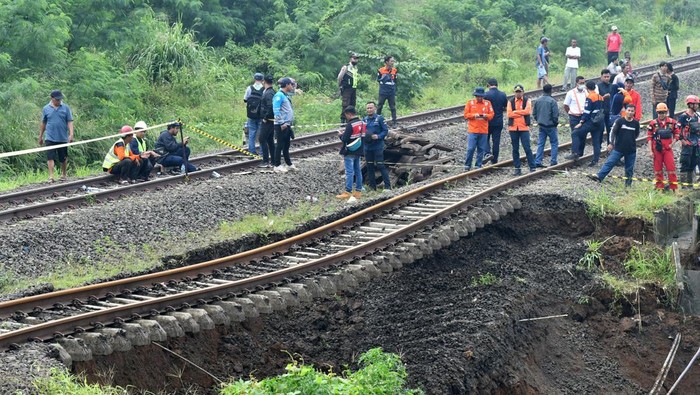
(61, 382)
(593, 254)
(651, 263)
(639, 201)
(13, 181)
(485, 280)
(380, 373)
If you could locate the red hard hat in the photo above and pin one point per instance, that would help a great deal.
(126, 129)
(692, 99)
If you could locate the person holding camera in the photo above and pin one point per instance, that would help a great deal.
(174, 154)
(478, 112)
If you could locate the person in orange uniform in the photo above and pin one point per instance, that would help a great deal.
(120, 161)
(478, 112)
(662, 132)
(519, 109)
(386, 76)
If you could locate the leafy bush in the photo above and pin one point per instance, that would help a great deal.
(381, 373)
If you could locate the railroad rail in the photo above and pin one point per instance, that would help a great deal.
(48, 199)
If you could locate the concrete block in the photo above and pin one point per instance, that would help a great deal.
(63, 355)
(370, 268)
(170, 325)
(302, 292)
(381, 263)
(186, 321)
(450, 231)
(515, 202)
(417, 250)
(202, 317)
(155, 332)
(136, 334)
(98, 343)
(277, 302)
(327, 285)
(358, 272)
(261, 302)
(233, 310)
(248, 307)
(392, 259)
(289, 295)
(404, 254)
(507, 205)
(217, 314)
(313, 287)
(117, 339)
(76, 348)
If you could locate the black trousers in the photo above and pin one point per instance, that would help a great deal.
(349, 97)
(283, 139)
(266, 137)
(392, 104)
(126, 169)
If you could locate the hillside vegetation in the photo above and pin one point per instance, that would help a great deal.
(118, 61)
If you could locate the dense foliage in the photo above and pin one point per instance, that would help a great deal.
(122, 60)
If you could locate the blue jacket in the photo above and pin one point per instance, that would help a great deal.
(499, 101)
(282, 108)
(375, 125)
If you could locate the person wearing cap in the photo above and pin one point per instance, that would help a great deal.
(623, 144)
(519, 110)
(478, 112)
(352, 150)
(499, 101)
(120, 161)
(253, 98)
(635, 98)
(689, 123)
(174, 154)
(613, 44)
(545, 111)
(386, 76)
(575, 101)
(56, 128)
(662, 132)
(593, 122)
(347, 82)
(284, 116)
(573, 54)
(659, 87)
(542, 62)
(267, 128)
(138, 147)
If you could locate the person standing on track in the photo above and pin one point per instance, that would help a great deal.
(478, 112)
(662, 132)
(573, 54)
(659, 87)
(499, 101)
(120, 161)
(519, 110)
(575, 101)
(253, 100)
(347, 82)
(689, 124)
(593, 122)
(673, 87)
(284, 117)
(542, 62)
(352, 151)
(375, 133)
(267, 128)
(623, 144)
(57, 123)
(545, 111)
(386, 76)
(605, 89)
(635, 97)
(613, 44)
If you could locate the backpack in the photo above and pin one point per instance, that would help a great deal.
(254, 103)
(599, 117)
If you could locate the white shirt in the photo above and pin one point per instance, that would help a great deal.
(576, 101)
(620, 78)
(571, 51)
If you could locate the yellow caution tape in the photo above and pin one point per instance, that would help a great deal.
(220, 141)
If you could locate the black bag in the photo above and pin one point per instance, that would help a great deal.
(598, 117)
(694, 127)
(254, 103)
(664, 133)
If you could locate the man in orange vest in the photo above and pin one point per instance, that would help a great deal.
(478, 112)
(386, 76)
(519, 110)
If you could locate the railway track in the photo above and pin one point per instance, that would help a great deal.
(49, 199)
(319, 262)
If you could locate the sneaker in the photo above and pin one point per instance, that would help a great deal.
(593, 163)
(572, 156)
(280, 169)
(357, 194)
(540, 165)
(593, 177)
(517, 172)
(292, 167)
(174, 172)
(532, 170)
(467, 168)
(344, 195)
(123, 182)
(263, 166)
(487, 159)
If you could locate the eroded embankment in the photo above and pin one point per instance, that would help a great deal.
(454, 319)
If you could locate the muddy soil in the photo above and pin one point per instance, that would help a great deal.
(457, 333)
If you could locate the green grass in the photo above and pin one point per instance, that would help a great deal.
(651, 263)
(61, 382)
(593, 254)
(639, 201)
(485, 280)
(380, 374)
(42, 175)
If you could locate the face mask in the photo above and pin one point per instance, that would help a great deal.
(292, 92)
(354, 63)
(580, 87)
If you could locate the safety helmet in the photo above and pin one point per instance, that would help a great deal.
(692, 99)
(661, 107)
(126, 129)
(140, 125)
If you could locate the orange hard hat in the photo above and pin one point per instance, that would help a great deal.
(661, 107)
(125, 129)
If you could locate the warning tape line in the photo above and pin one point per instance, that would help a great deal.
(220, 141)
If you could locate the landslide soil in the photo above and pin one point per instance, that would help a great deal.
(456, 334)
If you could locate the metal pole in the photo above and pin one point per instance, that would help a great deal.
(184, 156)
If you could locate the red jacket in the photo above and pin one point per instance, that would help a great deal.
(478, 116)
(668, 123)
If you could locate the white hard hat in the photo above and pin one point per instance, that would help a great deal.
(140, 125)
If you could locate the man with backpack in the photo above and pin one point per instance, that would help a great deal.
(662, 132)
(352, 151)
(253, 99)
(592, 121)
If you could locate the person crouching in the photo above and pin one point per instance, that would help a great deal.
(352, 150)
(119, 160)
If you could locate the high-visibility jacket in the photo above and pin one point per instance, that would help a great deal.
(519, 111)
(117, 153)
(478, 116)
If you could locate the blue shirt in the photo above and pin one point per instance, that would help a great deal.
(282, 108)
(375, 125)
(56, 121)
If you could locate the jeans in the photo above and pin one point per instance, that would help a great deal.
(615, 157)
(283, 139)
(174, 160)
(478, 142)
(267, 141)
(515, 139)
(573, 121)
(253, 127)
(552, 133)
(376, 158)
(570, 77)
(495, 139)
(578, 139)
(352, 170)
(391, 97)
